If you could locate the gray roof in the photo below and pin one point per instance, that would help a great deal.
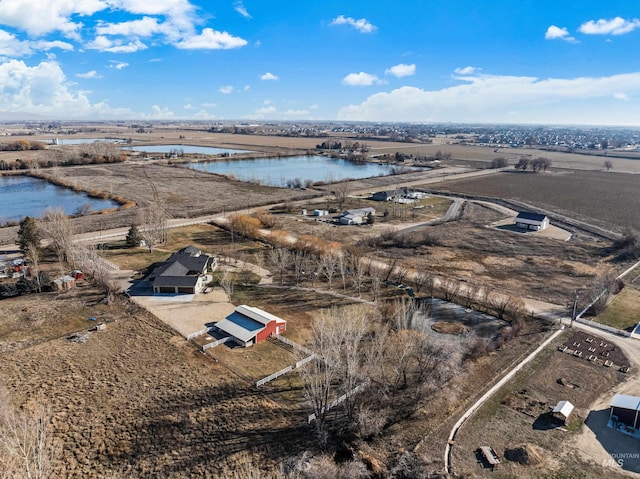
(359, 211)
(527, 215)
(179, 281)
(240, 326)
(181, 269)
(246, 322)
(626, 402)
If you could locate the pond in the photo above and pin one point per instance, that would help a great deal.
(189, 149)
(22, 196)
(83, 141)
(281, 171)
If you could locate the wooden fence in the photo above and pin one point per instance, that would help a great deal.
(294, 345)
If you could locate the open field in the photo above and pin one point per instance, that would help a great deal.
(523, 265)
(607, 199)
(136, 401)
(515, 417)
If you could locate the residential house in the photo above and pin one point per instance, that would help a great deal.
(183, 273)
(388, 195)
(356, 217)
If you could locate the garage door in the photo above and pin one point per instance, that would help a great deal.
(167, 289)
(185, 290)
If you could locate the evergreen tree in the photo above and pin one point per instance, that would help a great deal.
(28, 234)
(133, 237)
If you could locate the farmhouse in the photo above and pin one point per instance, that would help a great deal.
(248, 325)
(183, 273)
(624, 414)
(388, 195)
(356, 217)
(561, 412)
(531, 221)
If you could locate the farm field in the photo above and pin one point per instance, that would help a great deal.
(513, 420)
(607, 199)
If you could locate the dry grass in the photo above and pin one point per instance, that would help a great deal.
(624, 311)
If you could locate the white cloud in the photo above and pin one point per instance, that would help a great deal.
(189, 106)
(145, 27)
(295, 112)
(362, 25)
(105, 44)
(614, 26)
(492, 98)
(159, 113)
(202, 115)
(361, 79)
(43, 90)
(89, 74)
(225, 89)
(209, 105)
(10, 46)
(401, 70)
(266, 110)
(246, 88)
(47, 17)
(118, 65)
(314, 107)
(241, 9)
(268, 77)
(466, 70)
(621, 96)
(558, 33)
(211, 39)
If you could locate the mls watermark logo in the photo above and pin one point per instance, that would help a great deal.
(617, 459)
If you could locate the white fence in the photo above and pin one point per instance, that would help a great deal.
(354, 391)
(604, 327)
(296, 346)
(304, 361)
(200, 333)
(110, 265)
(274, 375)
(216, 343)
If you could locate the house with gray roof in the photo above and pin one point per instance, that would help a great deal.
(531, 221)
(183, 273)
(356, 216)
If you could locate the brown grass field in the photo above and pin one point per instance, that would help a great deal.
(607, 199)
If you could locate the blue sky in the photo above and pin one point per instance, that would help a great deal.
(526, 61)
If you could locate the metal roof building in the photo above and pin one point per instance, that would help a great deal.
(249, 325)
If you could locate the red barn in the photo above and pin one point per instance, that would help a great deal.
(248, 325)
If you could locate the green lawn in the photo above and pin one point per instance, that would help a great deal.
(624, 311)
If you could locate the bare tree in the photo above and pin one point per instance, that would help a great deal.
(227, 283)
(280, 258)
(341, 192)
(33, 258)
(608, 164)
(155, 225)
(337, 339)
(26, 448)
(329, 265)
(58, 230)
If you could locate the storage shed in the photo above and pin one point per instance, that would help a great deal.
(561, 412)
(531, 221)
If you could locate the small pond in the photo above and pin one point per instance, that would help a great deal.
(22, 196)
(189, 149)
(281, 171)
